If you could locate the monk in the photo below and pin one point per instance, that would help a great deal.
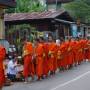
(75, 52)
(52, 49)
(62, 55)
(81, 50)
(28, 64)
(85, 49)
(2, 56)
(65, 55)
(70, 53)
(58, 56)
(45, 57)
(87, 54)
(60, 49)
(39, 52)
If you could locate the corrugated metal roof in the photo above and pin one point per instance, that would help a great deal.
(33, 15)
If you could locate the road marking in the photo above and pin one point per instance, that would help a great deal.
(73, 80)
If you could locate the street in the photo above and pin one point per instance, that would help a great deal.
(78, 78)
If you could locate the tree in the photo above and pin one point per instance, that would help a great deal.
(26, 6)
(79, 9)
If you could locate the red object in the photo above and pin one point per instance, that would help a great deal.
(52, 58)
(45, 61)
(28, 64)
(2, 56)
(39, 50)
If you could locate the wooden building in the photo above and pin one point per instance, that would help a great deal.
(56, 22)
(53, 21)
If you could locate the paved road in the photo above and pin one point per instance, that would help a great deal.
(78, 78)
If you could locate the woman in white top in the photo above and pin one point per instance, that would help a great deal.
(12, 69)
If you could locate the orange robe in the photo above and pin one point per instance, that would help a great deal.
(2, 56)
(75, 52)
(45, 60)
(59, 57)
(52, 49)
(65, 49)
(88, 50)
(70, 60)
(39, 51)
(81, 49)
(28, 64)
(63, 55)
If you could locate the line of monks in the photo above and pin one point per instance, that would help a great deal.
(46, 57)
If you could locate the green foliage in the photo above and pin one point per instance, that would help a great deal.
(26, 6)
(79, 9)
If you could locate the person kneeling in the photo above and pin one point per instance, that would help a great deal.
(12, 71)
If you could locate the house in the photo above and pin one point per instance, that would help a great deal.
(53, 20)
(56, 22)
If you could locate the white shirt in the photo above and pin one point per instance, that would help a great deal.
(11, 68)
